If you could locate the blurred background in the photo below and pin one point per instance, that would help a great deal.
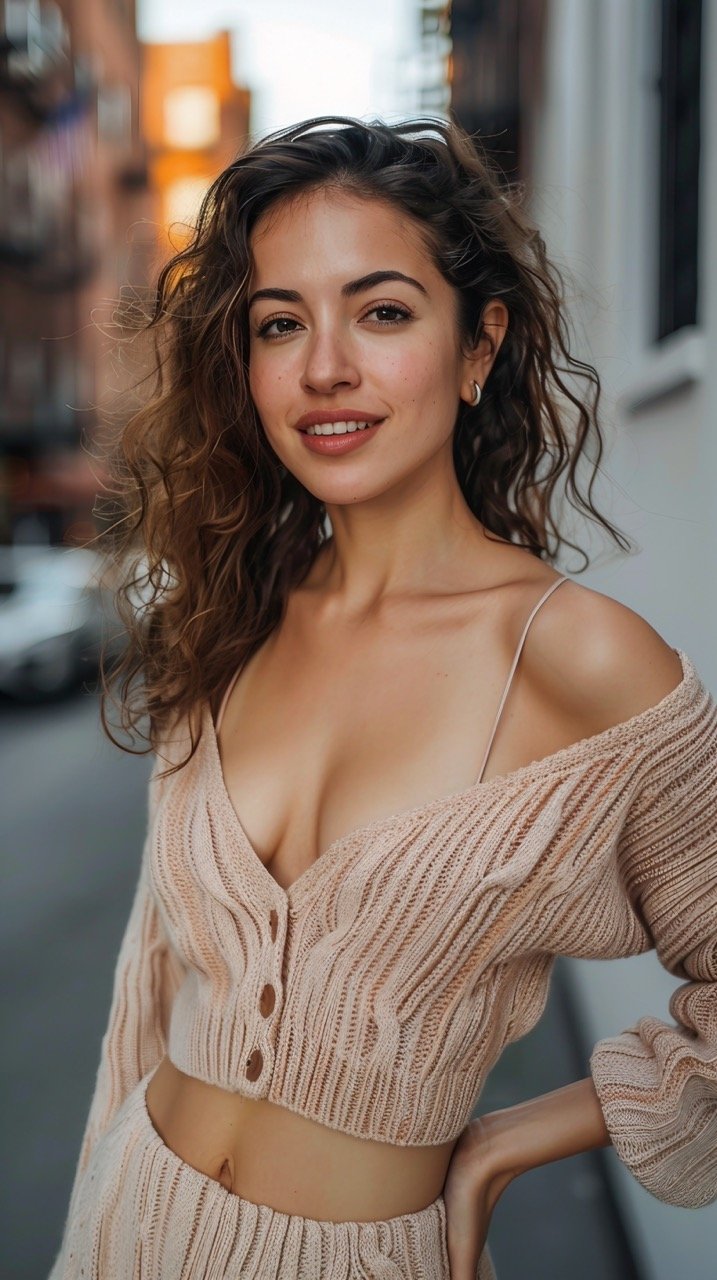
(114, 118)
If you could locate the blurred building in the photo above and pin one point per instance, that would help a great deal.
(103, 144)
(608, 111)
(433, 58)
(195, 120)
(496, 74)
(73, 193)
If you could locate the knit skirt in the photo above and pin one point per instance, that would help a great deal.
(140, 1213)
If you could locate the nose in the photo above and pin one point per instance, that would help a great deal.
(328, 364)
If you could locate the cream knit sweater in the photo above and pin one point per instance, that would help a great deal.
(376, 993)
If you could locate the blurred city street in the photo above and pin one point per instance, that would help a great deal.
(71, 828)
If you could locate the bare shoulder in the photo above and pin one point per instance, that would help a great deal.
(598, 660)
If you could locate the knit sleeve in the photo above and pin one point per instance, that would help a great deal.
(657, 1082)
(148, 973)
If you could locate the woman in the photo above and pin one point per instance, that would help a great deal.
(402, 763)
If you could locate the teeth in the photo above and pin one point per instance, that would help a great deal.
(336, 428)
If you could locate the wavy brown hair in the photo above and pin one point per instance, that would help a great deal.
(222, 530)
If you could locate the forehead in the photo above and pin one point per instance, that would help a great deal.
(337, 231)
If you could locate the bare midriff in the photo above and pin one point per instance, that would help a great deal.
(272, 1156)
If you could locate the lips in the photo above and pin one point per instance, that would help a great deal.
(316, 416)
(328, 443)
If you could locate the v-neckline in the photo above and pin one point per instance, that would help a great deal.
(555, 761)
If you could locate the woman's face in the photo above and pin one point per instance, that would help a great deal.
(351, 321)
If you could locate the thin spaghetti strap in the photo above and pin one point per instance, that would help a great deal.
(225, 699)
(511, 673)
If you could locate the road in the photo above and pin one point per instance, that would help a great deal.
(71, 827)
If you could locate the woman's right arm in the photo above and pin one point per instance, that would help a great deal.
(148, 973)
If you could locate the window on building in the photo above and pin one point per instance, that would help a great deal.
(679, 92)
(192, 117)
(25, 377)
(34, 36)
(124, 11)
(182, 199)
(114, 114)
(65, 389)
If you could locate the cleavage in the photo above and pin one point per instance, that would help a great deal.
(307, 761)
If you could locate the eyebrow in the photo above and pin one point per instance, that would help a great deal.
(348, 290)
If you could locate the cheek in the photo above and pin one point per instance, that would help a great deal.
(418, 375)
(268, 387)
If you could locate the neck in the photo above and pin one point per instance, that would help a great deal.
(401, 545)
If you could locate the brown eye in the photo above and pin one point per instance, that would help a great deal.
(263, 330)
(399, 314)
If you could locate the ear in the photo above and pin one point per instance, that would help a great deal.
(479, 362)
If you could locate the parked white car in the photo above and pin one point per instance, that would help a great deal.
(54, 614)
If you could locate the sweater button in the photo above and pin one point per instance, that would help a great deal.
(254, 1064)
(267, 1000)
(273, 924)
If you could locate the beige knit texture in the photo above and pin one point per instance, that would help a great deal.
(143, 1214)
(418, 946)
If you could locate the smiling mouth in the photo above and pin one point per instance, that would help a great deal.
(337, 428)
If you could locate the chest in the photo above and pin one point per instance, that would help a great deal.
(331, 728)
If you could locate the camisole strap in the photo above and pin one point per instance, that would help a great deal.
(553, 586)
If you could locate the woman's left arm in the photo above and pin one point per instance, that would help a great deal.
(495, 1148)
(652, 1091)
(657, 1082)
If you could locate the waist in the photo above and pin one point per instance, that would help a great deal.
(272, 1156)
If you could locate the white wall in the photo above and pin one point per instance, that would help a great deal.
(594, 197)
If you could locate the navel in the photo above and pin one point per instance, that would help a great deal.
(225, 1176)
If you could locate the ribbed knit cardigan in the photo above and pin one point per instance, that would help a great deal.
(376, 992)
